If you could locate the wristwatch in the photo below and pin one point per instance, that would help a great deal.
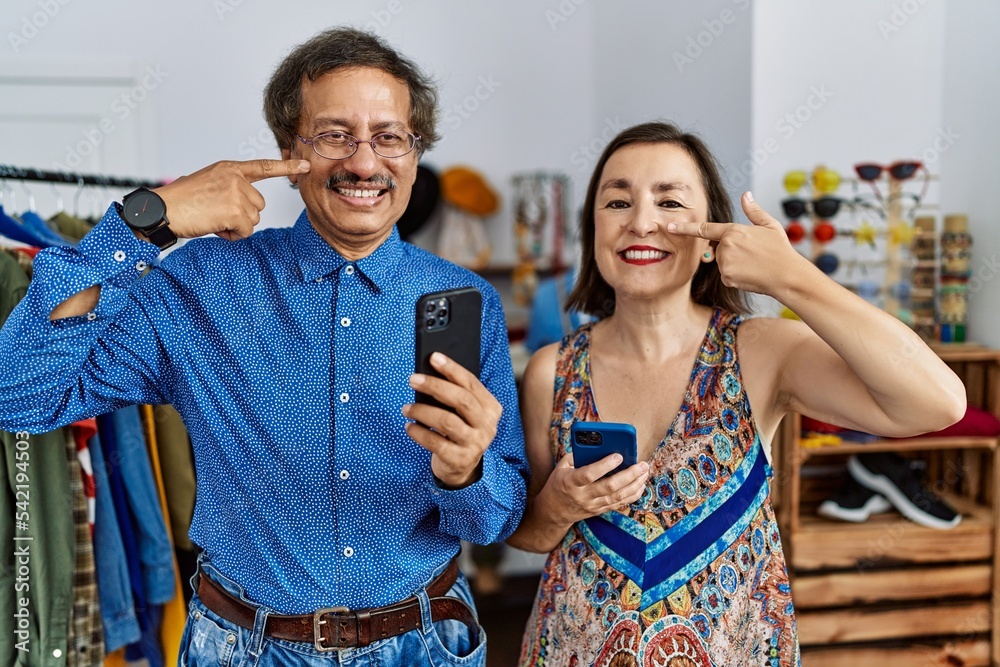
(144, 211)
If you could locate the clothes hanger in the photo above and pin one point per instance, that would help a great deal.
(76, 197)
(60, 207)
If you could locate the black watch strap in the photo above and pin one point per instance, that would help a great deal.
(161, 236)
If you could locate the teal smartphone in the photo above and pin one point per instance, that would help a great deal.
(592, 441)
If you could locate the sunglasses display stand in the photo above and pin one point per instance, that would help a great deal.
(953, 294)
(924, 252)
(898, 282)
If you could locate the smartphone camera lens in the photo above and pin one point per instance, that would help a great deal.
(430, 308)
(430, 322)
(595, 438)
(442, 322)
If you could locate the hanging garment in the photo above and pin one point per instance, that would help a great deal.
(147, 547)
(15, 231)
(69, 227)
(177, 460)
(37, 225)
(85, 639)
(693, 572)
(121, 626)
(174, 611)
(83, 431)
(121, 433)
(36, 529)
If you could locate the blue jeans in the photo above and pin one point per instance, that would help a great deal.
(210, 641)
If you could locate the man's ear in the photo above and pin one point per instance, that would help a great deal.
(286, 154)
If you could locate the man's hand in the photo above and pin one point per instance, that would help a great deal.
(457, 441)
(219, 198)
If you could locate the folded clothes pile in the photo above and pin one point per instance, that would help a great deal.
(880, 481)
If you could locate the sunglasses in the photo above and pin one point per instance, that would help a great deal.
(824, 207)
(900, 171)
(825, 181)
(794, 180)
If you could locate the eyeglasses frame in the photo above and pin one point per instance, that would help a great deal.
(415, 138)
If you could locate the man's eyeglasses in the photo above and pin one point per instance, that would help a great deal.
(340, 145)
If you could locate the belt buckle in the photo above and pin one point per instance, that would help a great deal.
(318, 621)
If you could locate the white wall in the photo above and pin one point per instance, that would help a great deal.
(971, 165)
(876, 91)
(684, 62)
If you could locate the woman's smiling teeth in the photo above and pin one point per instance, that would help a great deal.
(644, 254)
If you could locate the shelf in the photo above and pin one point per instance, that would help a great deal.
(853, 587)
(966, 653)
(497, 270)
(858, 625)
(964, 352)
(906, 445)
(890, 539)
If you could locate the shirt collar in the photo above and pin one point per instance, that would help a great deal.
(318, 259)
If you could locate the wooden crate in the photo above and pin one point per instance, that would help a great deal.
(888, 591)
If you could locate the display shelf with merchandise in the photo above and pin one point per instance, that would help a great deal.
(887, 590)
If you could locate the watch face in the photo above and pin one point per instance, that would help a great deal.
(143, 210)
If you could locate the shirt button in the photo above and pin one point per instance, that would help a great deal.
(91, 317)
(344, 398)
(140, 265)
(348, 552)
(197, 615)
(349, 270)
(57, 653)
(344, 474)
(119, 255)
(345, 321)
(231, 639)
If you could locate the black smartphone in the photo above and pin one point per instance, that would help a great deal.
(592, 441)
(448, 322)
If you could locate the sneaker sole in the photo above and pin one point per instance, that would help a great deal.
(874, 505)
(882, 484)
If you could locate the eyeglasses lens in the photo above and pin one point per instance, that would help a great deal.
(904, 170)
(868, 172)
(794, 208)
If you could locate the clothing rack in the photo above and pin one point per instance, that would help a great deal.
(32, 174)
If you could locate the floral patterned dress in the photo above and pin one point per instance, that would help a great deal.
(690, 575)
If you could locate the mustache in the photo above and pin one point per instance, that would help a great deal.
(346, 177)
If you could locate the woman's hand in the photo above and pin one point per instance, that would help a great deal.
(756, 257)
(573, 494)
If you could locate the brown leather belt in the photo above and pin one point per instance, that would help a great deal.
(338, 627)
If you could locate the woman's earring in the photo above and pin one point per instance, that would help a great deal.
(708, 256)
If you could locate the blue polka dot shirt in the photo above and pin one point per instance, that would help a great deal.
(290, 366)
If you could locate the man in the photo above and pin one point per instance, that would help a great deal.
(329, 520)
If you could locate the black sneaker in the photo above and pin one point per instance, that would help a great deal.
(890, 474)
(853, 503)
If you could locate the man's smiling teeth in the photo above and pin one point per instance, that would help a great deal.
(358, 193)
(644, 254)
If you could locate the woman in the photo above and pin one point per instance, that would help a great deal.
(677, 560)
